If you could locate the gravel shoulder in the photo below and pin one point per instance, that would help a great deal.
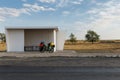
(61, 62)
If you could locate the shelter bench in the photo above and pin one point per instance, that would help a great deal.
(31, 48)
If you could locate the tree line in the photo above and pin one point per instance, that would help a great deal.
(90, 36)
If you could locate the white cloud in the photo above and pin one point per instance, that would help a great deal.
(65, 12)
(27, 9)
(108, 14)
(47, 1)
(11, 12)
(63, 3)
(2, 18)
(77, 2)
(94, 1)
(36, 7)
(24, 0)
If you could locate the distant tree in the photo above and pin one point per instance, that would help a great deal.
(92, 36)
(72, 38)
(2, 37)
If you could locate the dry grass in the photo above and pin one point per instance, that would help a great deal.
(2, 46)
(85, 46)
(100, 46)
(94, 48)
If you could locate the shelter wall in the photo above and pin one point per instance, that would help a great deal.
(34, 36)
(15, 40)
(60, 40)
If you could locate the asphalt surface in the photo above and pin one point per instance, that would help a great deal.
(58, 73)
(59, 68)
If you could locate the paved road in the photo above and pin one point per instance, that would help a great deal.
(58, 73)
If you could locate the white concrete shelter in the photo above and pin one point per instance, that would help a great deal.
(18, 37)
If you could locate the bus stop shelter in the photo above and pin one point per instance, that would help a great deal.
(18, 38)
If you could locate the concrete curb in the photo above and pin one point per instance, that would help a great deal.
(66, 53)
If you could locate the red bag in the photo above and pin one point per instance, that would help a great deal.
(41, 45)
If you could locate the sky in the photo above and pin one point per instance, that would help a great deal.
(71, 16)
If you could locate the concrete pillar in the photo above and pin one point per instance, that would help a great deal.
(54, 36)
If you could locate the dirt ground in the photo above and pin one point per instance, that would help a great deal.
(2, 46)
